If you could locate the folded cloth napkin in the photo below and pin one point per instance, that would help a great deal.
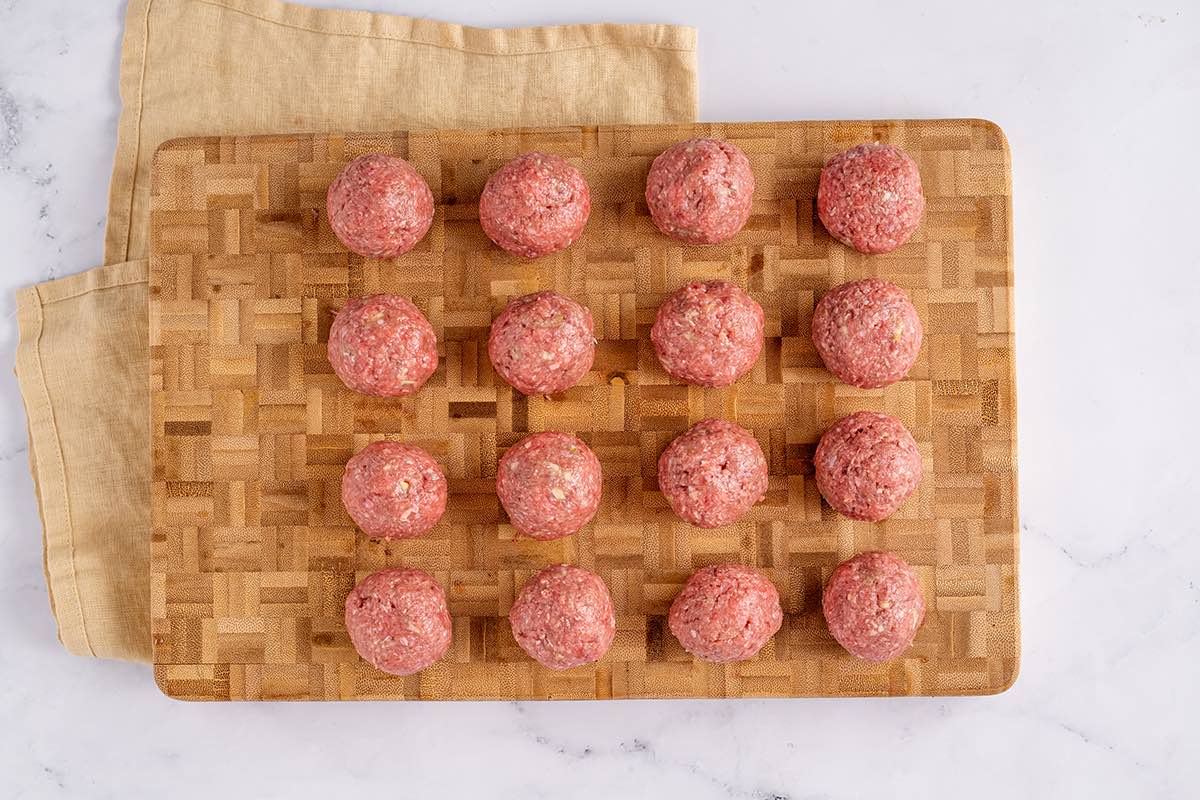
(193, 67)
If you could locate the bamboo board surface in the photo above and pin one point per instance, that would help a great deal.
(253, 554)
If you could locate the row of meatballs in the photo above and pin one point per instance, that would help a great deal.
(707, 333)
(699, 192)
(563, 617)
(549, 484)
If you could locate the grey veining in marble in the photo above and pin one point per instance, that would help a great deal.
(1101, 102)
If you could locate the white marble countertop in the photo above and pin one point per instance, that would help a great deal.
(1101, 103)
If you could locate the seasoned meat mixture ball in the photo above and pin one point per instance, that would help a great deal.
(393, 490)
(709, 333)
(383, 346)
(867, 332)
(867, 465)
(542, 343)
(379, 206)
(874, 606)
(699, 191)
(725, 613)
(398, 620)
(549, 484)
(870, 197)
(563, 617)
(712, 473)
(534, 205)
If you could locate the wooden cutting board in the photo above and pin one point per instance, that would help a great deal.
(253, 554)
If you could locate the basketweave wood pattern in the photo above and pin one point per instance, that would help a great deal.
(253, 553)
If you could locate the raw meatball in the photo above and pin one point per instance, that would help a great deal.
(542, 343)
(712, 473)
(383, 346)
(699, 191)
(867, 332)
(393, 490)
(709, 334)
(725, 613)
(867, 465)
(379, 206)
(549, 484)
(870, 198)
(873, 606)
(534, 205)
(398, 620)
(564, 617)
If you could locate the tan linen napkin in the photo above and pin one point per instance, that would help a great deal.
(205, 67)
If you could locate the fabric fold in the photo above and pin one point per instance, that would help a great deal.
(82, 368)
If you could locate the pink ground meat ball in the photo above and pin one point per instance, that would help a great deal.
(867, 465)
(534, 205)
(382, 345)
(549, 484)
(542, 343)
(869, 197)
(563, 617)
(393, 490)
(725, 613)
(708, 334)
(379, 206)
(873, 605)
(867, 332)
(700, 191)
(712, 473)
(398, 620)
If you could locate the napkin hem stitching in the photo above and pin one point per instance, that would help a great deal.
(409, 40)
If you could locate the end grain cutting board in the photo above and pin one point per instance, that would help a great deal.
(253, 553)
